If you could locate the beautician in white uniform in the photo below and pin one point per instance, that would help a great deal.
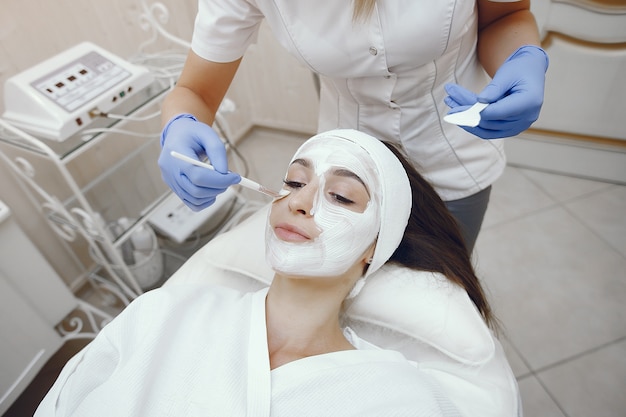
(195, 349)
(389, 68)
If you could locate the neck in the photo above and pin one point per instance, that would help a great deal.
(302, 318)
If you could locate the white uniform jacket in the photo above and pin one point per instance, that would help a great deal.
(201, 350)
(385, 77)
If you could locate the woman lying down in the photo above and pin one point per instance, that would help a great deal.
(352, 204)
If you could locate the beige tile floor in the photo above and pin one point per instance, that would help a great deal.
(552, 254)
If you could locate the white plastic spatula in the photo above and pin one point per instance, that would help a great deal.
(469, 117)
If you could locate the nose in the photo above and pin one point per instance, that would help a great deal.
(303, 199)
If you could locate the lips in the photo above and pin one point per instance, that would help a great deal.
(290, 233)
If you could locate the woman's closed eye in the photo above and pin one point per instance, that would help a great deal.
(341, 199)
(293, 184)
(333, 195)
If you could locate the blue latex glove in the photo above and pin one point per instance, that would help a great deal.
(515, 94)
(197, 187)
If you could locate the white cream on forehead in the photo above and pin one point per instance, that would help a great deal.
(345, 234)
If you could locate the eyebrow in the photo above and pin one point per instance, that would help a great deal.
(341, 172)
(347, 173)
(304, 162)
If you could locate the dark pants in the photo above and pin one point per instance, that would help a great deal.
(469, 213)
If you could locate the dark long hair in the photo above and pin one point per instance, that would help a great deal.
(433, 242)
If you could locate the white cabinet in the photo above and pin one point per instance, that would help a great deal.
(581, 129)
(33, 300)
(27, 342)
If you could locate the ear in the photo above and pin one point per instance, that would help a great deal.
(369, 254)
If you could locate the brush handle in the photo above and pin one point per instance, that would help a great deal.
(245, 182)
(191, 160)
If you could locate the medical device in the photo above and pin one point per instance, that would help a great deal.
(63, 94)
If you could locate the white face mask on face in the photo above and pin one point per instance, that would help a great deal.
(345, 235)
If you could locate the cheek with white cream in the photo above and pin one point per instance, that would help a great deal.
(345, 235)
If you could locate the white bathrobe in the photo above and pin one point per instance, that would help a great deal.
(200, 350)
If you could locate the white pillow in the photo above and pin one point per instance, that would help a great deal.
(422, 305)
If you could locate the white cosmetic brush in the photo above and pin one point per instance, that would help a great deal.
(245, 182)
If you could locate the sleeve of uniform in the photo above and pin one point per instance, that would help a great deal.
(224, 29)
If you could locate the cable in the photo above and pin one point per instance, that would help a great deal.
(164, 65)
(123, 117)
(94, 131)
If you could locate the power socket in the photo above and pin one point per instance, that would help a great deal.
(177, 221)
